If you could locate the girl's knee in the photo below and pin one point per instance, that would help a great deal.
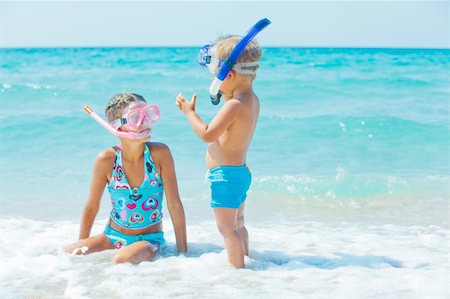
(136, 253)
(120, 258)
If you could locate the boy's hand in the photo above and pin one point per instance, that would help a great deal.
(184, 104)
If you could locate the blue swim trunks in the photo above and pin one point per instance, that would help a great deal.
(229, 185)
(120, 240)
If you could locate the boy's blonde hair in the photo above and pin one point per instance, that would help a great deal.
(251, 53)
(120, 101)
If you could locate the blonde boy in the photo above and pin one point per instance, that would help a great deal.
(228, 137)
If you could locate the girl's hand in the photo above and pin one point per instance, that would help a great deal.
(184, 104)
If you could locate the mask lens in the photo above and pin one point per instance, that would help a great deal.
(208, 58)
(203, 57)
(138, 116)
(152, 113)
(134, 118)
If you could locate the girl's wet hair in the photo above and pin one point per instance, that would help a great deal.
(120, 101)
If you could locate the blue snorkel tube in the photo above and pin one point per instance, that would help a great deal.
(214, 89)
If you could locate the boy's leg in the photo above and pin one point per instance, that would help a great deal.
(92, 244)
(226, 223)
(242, 231)
(137, 252)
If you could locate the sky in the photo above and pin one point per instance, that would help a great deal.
(389, 24)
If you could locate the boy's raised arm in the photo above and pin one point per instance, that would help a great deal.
(219, 124)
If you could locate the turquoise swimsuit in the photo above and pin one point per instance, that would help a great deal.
(135, 208)
(229, 185)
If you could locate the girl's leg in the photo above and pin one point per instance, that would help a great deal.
(136, 253)
(90, 245)
(226, 223)
(242, 231)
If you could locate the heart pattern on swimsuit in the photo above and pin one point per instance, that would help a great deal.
(131, 206)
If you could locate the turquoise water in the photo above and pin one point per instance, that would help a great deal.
(350, 162)
(351, 123)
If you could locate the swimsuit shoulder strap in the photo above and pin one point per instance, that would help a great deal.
(118, 161)
(147, 152)
(148, 158)
(117, 148)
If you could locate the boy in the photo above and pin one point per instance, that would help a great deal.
(228, 136)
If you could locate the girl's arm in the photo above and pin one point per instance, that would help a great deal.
(102, 166)
(174, 204)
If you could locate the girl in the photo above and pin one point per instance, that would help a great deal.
(136, 172)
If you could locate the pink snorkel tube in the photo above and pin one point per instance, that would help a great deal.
(107, 126)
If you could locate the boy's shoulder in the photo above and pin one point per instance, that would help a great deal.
(243, 99)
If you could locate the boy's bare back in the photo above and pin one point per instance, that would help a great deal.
(232, 145)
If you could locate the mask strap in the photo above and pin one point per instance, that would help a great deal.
(118, 123)
(242, 68)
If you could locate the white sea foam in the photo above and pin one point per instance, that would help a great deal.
(287, 260)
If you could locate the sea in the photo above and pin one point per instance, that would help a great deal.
(350, 163)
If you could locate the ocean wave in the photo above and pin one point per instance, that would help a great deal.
(344, 186)
(346, 197)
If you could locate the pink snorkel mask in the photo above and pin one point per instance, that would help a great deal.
(132, 117)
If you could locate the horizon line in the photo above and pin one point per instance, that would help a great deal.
(193, 46)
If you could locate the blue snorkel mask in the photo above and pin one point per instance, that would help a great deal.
(209, 58)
